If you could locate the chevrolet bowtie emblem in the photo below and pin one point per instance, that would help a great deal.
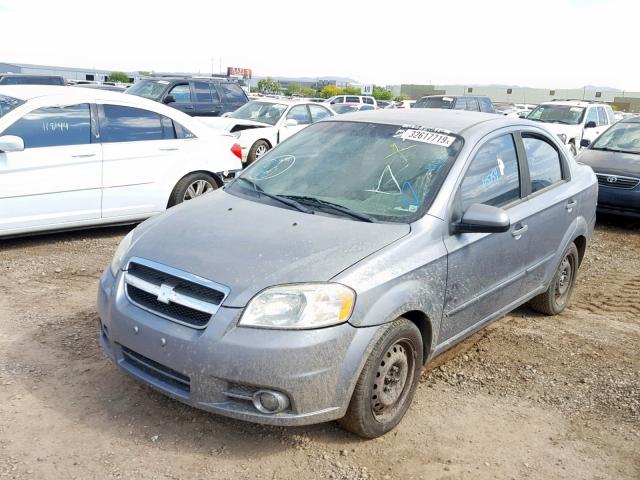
(165, 293)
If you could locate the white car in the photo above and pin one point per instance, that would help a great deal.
(262, 124)
(574, 120)
(74, 157)
(369, 100)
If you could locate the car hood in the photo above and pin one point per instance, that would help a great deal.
(227, 123)
(615, 163)
(560, 128)
(249, 246)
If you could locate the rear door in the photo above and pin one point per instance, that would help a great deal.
(57, 178)
(139, 147)
(207, 98)
(233, 97)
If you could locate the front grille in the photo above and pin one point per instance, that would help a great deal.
(157, 370)
(173, 294)
(616, 181)
(174, 310)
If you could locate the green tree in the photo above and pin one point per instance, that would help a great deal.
(380, 93)
(330, 91)
(120, 77)
(400, 98)
(351, 90)
(269, 85)
(292, 89)
(308, 92)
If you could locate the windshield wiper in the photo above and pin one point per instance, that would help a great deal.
(606, 149)
(280, 198)
(333, 206)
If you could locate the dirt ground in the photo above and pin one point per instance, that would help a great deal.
(530, 397)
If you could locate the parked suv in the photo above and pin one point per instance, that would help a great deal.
(456, 102)
(574, 120)
(317, 284)
(366, 99)
(194, 96)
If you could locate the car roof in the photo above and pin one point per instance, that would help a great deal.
(286, 101)
(572, 103)
(68, 93)
(454, 121)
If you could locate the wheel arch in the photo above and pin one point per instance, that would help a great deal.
(581, 245)
(213, 175)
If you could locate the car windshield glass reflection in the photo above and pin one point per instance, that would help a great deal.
(8, 103)
(385, 172)
(263, 112)
(622, 137)
(564, 114)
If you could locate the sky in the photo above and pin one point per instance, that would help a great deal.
(536, 43)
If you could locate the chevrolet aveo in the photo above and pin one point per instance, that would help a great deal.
(316, 285)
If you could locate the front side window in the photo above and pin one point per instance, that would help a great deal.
(461, 104)
(300, 114)
(318, 112)
(383, 171)
(8, 103)
(54, 126)
(592, 116)
(338, 99)
(493, 177)
(543, 159)
(181, 93)
(472, 104)
(233, 92)
(564, 114)
(128, 124)
(621, 137)
(263, 112)
(602, 116)
(485, 105)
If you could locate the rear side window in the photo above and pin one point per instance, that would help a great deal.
(168, 131)
(545, 168)
(203, 93)
(181, 93)
(493, 177)
(472, 104)
(318, 112)
(353, 100)
(128, 124)
(485, 105)
(461, 104)
(233, 92)
(368, 100)
(54, 126)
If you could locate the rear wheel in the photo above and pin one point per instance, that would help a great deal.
(387, 382)
(557, 296)
(257, 150)
(192, 186)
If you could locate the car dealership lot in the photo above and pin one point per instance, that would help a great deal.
(528, 397)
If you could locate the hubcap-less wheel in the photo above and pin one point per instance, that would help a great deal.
(261, 150)
(395, 372)
(565, 277)
(197, 188)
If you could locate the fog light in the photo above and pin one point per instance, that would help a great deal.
(267, 401)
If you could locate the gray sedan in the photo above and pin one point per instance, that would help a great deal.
(317, 284)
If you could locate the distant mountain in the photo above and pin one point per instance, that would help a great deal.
(307, 79)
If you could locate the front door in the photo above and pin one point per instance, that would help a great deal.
(485, 270)
(57, 178)
(299, 113)
(183, 98)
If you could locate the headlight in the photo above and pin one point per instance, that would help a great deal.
(299, 306)
(562, 137)
(121, 251)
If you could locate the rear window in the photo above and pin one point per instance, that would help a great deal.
(435, 102)
(233, 92)
(8, 103)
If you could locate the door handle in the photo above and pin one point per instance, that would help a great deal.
(519, 231)
(83, 155)
(570, 205)
(188, 107)
(168, 149)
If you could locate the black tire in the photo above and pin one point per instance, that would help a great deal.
(181, 192)
(372, 410)
(257, 150)
(557, 296)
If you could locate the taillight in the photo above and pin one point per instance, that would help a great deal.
(236, 149)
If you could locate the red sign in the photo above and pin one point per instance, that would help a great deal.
(239, 72)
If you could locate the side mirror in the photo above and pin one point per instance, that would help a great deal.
(11, 143)
(483, 219)
(291, 122)
(169, 99)
(523, 115)
(590, 124)
(584, 142)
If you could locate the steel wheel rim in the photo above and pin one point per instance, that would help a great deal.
(197, 188)
(392, 381)
(261, 150)
(565, 277)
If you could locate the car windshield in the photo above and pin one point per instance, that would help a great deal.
(151, 89)
(343, 108)
(565, 114)
(376, 171)
(621, 137)
(263, 112)
(7, 104)
(434, 102)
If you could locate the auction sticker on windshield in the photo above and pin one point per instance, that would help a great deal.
(426, 136)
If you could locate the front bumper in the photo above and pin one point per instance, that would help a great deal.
(316, 369)
(619, 201)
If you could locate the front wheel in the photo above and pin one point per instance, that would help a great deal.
(192, 186)
(387, 382)
(557, 296)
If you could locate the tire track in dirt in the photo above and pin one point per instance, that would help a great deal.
(619, 295)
